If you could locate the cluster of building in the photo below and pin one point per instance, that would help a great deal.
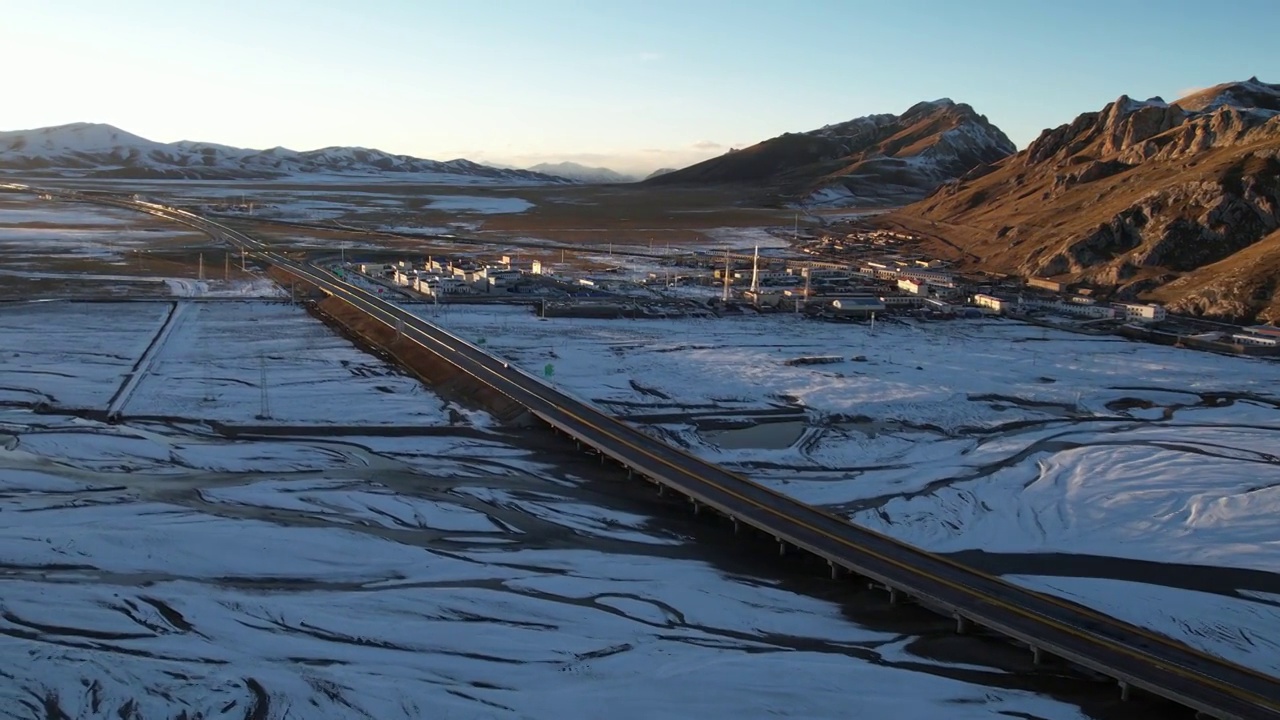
(453, 277)
(856, 242)
(1256, 336)
(1081, 306)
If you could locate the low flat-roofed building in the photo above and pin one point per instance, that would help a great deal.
(1250, 339)
(1046, 284)
(997, 303)
(902, 300)
(915, 287)
(1140, 312)
(855, 305)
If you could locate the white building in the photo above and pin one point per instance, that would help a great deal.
(994, 302)
(1097, 312)
(501, 279)
(915, 287)
(1255, 340)
(1139, 312)
(931, 277)
(902, 300)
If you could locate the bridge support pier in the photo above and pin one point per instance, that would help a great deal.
(697, 506)
(782, 547)
(894, 598)
(662, 489)
(1037, 656)
(835, 570)
(962, 625)
(1124, 690)
(735, 525)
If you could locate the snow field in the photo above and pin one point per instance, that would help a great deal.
(969, 435)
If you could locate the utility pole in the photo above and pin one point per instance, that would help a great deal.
(200, 276)
(226, 269)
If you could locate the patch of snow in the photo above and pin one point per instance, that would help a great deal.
(478, 205)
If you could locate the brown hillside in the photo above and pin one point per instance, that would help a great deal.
(1131, 199)
(878, 158)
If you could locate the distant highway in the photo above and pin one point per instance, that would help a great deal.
(1133, 656)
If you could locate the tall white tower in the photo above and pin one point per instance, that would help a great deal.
(755, 270)
(728, 276)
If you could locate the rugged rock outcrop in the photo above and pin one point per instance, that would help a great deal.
(1141, 198)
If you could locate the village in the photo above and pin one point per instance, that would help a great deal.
(861, 276)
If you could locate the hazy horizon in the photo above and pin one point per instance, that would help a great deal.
(629, 87)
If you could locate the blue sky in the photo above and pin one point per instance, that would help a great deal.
(633, 85)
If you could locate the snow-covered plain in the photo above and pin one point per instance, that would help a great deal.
(39, 229)
(734, 238)
(159, 567)
(969, 435)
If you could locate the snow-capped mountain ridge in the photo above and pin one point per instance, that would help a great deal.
(99, 150)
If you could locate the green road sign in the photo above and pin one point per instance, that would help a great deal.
(549, 370)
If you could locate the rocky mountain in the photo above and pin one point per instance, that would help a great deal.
(582, 173)
(1178, 202)
(103, 151)
(659, 172)
(877, 159)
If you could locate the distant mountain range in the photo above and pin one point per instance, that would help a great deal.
(102, 151)
(583, 173)
(659, 172)
(1177, 202)
(877, 159)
